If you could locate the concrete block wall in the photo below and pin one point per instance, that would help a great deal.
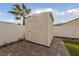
(10, 33)
(70, 29)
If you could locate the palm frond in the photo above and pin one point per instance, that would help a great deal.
(17, 18)
(20, 11)
(28, 10)
(22, 14)
(14, 13)
(18, 7)
(23, 6)
(14, 9)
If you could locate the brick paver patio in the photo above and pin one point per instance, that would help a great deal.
(25, 48)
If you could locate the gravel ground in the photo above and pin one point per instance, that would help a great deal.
(25, 48)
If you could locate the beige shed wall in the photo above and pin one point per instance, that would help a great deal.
(45, 32)
(10, 33)
(50, 29)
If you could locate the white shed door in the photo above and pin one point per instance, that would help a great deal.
(35, 30)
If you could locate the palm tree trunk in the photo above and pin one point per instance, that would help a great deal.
(23, 20)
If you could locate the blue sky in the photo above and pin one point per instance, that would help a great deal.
(61, 11)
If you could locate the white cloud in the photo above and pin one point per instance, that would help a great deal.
(74, 11)
(10, 20)
(37, 11)
(69, 11)
(0, 13)
(63, 20)
(60, 13)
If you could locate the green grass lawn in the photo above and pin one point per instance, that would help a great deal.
(73, 47)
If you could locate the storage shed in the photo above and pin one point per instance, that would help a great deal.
(39, 28)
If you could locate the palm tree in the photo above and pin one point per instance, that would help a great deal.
(20, 11)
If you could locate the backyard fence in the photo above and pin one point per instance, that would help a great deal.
(10, 32)
(70, 29)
